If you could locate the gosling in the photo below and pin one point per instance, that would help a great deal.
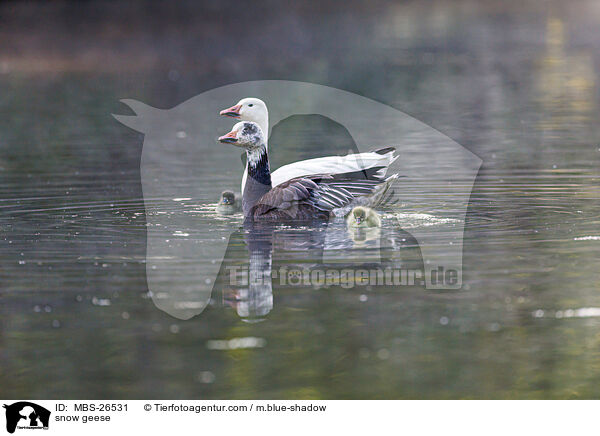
(228, 205)
(363, 217)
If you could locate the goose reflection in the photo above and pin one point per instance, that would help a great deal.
(262, 257)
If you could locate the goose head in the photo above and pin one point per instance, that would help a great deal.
(250, 109)
(245, 134)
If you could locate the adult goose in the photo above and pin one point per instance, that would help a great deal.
(305, 198)
(369, 165)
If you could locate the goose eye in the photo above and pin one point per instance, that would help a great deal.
(251, 104)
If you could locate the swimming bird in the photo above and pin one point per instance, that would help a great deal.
(369, 165)
(363, 217)
(302, 198)
(228, 204)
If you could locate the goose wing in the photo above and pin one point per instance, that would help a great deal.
(369, 165)
(321, 193)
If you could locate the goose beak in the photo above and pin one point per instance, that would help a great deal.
(229, 137)
(233, 111)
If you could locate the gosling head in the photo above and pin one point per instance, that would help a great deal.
(249, 109)
(360, 214)
(245, 134)
(363, 217)
(227, 198)
(227, 205)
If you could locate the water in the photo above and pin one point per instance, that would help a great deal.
(516, 85)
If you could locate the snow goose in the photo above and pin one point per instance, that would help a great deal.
(305, 198)
(374, 162)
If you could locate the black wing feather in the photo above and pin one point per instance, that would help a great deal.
(311, 197)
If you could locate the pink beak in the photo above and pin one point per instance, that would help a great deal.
(229, 137)
(233, 111)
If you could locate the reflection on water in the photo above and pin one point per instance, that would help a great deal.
(265, 258)
(516, 84)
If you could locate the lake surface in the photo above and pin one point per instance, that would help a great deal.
(515, 84)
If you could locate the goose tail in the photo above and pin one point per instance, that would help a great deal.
(387, 158)
(382, 190)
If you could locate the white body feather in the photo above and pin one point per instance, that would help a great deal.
(330, 165)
